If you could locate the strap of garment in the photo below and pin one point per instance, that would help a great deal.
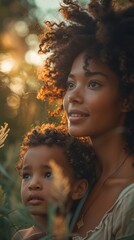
(78, 210)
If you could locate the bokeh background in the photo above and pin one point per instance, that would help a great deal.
(21, 24)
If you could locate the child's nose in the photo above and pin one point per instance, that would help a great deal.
(35, 184)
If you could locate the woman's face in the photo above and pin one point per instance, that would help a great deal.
(92, 103)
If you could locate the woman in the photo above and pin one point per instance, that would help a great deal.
(91, 64)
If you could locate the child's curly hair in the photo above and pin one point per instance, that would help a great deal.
(79, 153)
(103, 30)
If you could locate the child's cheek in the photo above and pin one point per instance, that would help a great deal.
(24, 193)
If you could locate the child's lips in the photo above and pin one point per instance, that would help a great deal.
(35, 200)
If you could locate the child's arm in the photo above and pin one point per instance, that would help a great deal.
(20, 236)
(35, 236)
(17, 236)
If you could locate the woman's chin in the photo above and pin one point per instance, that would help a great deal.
(77, 132)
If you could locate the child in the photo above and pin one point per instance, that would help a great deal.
(44, 148)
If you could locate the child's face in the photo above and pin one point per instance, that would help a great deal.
(37, 176)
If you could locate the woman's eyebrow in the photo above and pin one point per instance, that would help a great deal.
(89, 73)
(71, 76)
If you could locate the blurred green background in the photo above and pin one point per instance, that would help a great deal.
(21, 24)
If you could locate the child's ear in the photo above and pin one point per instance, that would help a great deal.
(126, 105)
(79, 189)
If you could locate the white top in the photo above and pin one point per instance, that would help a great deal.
(118, 221)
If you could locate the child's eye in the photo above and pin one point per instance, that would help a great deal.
(94, 85)
(70, 85)
(48, 175)
(26, 176)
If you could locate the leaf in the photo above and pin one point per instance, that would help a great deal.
(3, 171)
(3, 134)
(2, 196)
(60, 186)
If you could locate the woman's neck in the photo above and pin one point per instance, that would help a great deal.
(110, 150)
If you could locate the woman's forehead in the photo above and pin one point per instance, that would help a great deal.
(91, 66)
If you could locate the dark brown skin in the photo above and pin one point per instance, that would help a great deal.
(98, 97)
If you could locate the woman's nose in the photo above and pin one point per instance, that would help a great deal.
(75, 96)
(35, 184)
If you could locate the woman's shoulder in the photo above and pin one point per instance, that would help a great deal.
(123, 207)
(118, 221)
(126, 193)
(123, 213)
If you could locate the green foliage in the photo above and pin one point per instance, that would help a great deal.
(12, 220)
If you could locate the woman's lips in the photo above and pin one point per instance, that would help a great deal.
(76, 116)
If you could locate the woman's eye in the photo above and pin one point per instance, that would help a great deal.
(48, 175)
(70, 85)
(26, 176)
(94, 85)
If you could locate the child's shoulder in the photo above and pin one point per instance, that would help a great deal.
(28, 234)
(22, 234)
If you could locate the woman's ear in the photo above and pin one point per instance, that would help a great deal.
(79, 189)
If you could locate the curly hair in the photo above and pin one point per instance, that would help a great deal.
(78, 152)
(104, 30)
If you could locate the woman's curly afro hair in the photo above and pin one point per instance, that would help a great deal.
(104, 30)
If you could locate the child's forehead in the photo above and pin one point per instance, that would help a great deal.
(42, 150)
(44, 154)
